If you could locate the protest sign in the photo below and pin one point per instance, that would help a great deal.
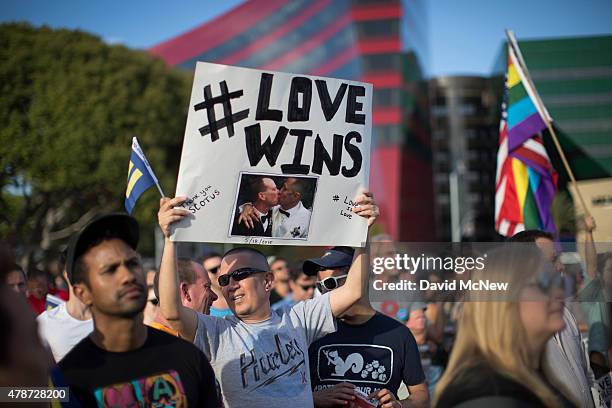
(294, 150)
(598, 199)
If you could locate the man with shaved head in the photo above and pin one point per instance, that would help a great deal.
(260, 356)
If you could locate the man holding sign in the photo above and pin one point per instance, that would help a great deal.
(259, 355)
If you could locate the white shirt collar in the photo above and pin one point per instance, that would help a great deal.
(295, 208)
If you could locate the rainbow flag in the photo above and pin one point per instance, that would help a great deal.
(525, 181)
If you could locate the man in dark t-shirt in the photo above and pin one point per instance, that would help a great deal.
(165, 369)
(123, 362)
(369, 351)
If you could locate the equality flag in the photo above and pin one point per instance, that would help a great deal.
(140, 177)
(52, 301)
(525, 181)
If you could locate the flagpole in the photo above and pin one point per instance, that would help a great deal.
(159, 189)
(546, 117)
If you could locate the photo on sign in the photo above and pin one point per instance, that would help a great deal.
(273, 206)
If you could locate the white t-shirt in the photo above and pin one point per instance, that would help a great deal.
(265, 364)
(60, 331)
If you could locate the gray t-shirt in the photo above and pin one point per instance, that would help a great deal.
(265, 364)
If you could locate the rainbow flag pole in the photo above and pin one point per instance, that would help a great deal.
(547, 119)
(526, 182)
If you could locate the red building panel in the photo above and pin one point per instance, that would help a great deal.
(206, 36)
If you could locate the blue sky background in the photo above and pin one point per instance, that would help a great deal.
(464, 35)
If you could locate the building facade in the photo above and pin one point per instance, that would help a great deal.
(464, 143)
(382, 42)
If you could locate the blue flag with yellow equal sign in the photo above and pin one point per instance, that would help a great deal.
(140, 177)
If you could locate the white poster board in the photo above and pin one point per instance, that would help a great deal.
(597, 196)
(266, 141)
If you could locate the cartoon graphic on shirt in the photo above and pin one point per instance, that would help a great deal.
(159, 390)
(355, 363)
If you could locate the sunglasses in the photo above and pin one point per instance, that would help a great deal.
(306, 288)
(330, 283)
(154, 302)
(215, 269)
(238, 275)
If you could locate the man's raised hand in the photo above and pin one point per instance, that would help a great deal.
(366, 207)
(589, 223)
(169, 213)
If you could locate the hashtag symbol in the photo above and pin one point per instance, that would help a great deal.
(228, 117)
(335, 198)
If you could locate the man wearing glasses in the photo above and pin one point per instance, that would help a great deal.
(302, 288)
(369, 351)
(259, 355)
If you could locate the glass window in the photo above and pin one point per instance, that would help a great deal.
(381, 62)
(377, 28)
(386, 97)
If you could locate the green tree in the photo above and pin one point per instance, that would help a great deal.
(69, 107)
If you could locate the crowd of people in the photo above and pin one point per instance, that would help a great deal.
(242, 329)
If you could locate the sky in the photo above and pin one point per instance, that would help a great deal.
(464, 35)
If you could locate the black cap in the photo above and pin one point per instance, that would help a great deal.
(334, 258)
(117, 225)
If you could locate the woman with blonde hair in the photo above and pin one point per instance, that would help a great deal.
(497, 356)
